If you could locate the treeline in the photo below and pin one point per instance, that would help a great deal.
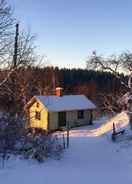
(104, 81)
(42, 81)
(74, 80)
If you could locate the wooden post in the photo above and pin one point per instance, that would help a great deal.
(114, 133)
(130, 117)
(114, 129)
(64, 145)
(68, 128)
(130, 112)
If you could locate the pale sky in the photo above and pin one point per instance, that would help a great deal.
(69, 30)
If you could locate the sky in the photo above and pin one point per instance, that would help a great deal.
(67, 31)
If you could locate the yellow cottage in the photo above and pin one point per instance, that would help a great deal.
(53, 112)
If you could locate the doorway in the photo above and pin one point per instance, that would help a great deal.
(62, 119)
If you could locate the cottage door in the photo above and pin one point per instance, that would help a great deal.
(62, 119)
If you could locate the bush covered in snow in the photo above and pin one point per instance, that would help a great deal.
(10, 133)
(16, 140)
(40, 147)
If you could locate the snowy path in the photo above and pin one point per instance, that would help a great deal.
(89, 160)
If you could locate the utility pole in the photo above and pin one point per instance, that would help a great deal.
(13, 75)
(16, 46)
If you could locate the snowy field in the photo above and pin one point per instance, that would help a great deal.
(91, 159)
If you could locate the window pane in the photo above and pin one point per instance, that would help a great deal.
(37, 115)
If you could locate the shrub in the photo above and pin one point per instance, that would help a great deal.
(15, 140)
(40, 147)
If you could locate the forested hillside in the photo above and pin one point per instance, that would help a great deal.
(42, 81)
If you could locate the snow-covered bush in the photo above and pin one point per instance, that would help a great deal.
(16, 140)
(10, 133)
(40, 147)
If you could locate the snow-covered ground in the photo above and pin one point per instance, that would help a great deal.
(92, 158)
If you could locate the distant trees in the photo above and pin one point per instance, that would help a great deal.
(88, 89)
(39, 81)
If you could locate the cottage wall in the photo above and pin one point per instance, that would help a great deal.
(35, 123)
(72, 118)
(53, 120)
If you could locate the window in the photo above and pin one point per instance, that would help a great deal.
(37, 104)
(80, 114)
(37, 115)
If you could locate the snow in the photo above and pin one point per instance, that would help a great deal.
(91, 158)
(66, 102)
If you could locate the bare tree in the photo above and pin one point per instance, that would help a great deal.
(6, 30)
(16, 52)
(116, 65)
(21, 56)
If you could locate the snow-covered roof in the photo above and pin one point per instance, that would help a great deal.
(66, 103)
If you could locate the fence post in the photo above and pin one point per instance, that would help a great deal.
(64, 145)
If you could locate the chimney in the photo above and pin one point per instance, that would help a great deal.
(58, 91)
